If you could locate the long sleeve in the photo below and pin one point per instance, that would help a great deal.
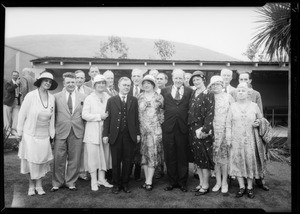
(259, 102)
(10, 87)
(26, 105)
(87, 111)
(108, 119)
(209, 105)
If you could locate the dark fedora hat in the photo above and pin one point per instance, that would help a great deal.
(197, 74)
(46, 75)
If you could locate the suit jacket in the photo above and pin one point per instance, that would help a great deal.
(176, 112)
(131, 91)
(10, 93)
(113, 121)
(87, 90)
(27, 82)
(113, 93)
(88, 84)
(64, 120)
(230, 89)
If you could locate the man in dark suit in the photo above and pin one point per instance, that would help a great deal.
(69, 130)
(135, 90)
(121, 131)
(175, 130)
(12, 102)
(93, 71)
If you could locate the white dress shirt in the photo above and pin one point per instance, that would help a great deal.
(174, 90)
(121, 96)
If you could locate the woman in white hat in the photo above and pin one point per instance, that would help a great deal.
(151, 117)
(97, 155)
(243, 116)
(35, 128)
(220, 151)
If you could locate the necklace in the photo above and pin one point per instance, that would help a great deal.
(243, 107)
(42, 100)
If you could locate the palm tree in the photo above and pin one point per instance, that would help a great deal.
(274, 37)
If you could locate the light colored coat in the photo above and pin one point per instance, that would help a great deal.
(91, 112)
(64, 119)
(87, 90)
(28, 115)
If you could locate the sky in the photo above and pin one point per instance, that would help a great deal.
(227, 30)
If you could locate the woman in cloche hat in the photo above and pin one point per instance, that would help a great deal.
(35, 128)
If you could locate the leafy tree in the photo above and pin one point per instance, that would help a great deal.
(164, 49)
(274, 36)
(253, 53)
(113, 48)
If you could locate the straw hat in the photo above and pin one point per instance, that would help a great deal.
(214, 79)
(197, 74)
(46, 75)
(151, 79)
(99, 78)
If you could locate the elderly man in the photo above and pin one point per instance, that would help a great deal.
(121, 130)
(226, 75)
(175, 131)
(109, 75)
(69, 130)
(153, 72)
(12, 102)
(93, 71)
(162, 80)
(80, 79)
(27, 82)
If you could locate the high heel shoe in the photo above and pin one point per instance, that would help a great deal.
(197, 188)
(203, 192)
(216, 188)
(40, 190)
(105, 183)
(149, 187)
(240, 193)
(250, 193)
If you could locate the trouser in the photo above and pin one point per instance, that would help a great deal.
(175, 151)
(10, 116)
(122, 152)
(66, 150)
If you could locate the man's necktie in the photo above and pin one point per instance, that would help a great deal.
(123, 99)
(177, 95)
(70, 103)
(136, 92)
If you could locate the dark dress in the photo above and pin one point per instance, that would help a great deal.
(201, 114)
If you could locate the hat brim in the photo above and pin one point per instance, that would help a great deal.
(195, 75)
(209, 85)
(149, 80)
(38, 82)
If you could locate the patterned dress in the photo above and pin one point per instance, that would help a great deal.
(220, 150)
(151, 117)
(201, 114)
(239, 130)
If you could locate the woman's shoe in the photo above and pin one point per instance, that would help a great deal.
(216, 188)
(240, 193)
(224, 188)
(250, 193)
(105, 183)
(94, 187)
(31, 191)
(149, 187)
(40, 190)
(197, 188)
(203, 192)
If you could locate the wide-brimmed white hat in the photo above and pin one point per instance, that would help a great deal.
(99, 78)
(46, 75)
(149, 78)
(214, 79)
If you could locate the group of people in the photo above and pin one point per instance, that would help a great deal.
(103, 133)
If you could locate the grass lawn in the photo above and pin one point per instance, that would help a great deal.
(278, 199)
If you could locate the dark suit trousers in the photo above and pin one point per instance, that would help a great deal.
(122, 156)
(175, 150)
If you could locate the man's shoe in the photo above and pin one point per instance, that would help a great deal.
(171, 187)
(183, 188)
(116, 190)
(126, 190)
(72, 188)
(54, 189)
(159, 175)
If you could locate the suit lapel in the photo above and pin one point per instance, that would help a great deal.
(77, 100)
(118, 102)
(64, 100)
(169, 94)
(184, 94)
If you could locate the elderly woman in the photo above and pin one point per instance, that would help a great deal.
(97, 154)
(243, 116)
(223, 101)
(35, 128)
(151, 118)
(200, 121)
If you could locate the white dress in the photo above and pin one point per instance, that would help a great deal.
(35, 151)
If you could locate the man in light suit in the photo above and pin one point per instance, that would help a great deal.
(93, 71)
(27, 81)
(109, 75)
(121, 130)
(226, 75)
(135, 90)
(175, 131)
(69, 130)
(80, 87)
